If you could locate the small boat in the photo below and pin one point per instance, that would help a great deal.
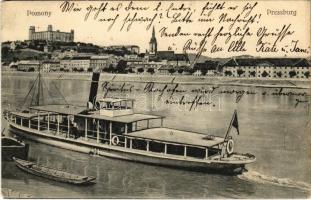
(10, 147)
(53, 174)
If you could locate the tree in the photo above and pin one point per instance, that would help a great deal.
(140, 70)
(253, 73)
(191, 70)
(264, 74)
(307, 74)
(15, 59)
(292, 73)
(180, 71)
(5, 52)
(90, 69)
(130, 70)
(203, 71)
(109, 69)
(120, 68)
(61, 69)
(150, 70)
(240, 72)
(228, 73)
(171, 71)
(279, 74)
(74, 69)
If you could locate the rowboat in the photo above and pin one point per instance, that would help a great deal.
(109, 127)
(11, 147)
(53, 174)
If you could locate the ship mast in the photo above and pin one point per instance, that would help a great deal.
(38, 90)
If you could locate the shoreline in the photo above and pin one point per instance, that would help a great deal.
(167, 79)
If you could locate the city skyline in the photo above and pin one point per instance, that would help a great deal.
(93, 31)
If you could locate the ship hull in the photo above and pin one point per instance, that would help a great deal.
(116, 152)
(11, 148)
(9, 152)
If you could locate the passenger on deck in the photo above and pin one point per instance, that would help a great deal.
(74, 128)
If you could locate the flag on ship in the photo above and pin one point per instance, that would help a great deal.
(235, 122)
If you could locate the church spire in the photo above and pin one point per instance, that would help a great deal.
(153, 32)
(153, 45)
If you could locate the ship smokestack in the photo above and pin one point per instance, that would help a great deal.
(93, 89)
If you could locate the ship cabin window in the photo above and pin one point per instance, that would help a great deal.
(175, 149)
(94, 127)
(52, 121)
(25, 122)
(156, 147)
(196, 152)
(139, 144)
(18, 119)
(118, 128)
(34, 122)
(213, 151)
(63, 123)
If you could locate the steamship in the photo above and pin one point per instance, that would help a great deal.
(109, 127)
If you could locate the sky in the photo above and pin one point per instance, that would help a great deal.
(16, 22)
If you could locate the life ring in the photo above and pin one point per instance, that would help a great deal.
(115, 140)
(230, 145)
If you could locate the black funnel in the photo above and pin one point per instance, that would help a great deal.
(94, 87)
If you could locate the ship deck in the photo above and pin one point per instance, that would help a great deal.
(62, 109)
(77, 110)
(177, 136)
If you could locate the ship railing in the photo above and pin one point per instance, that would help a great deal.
(58, 128)
(40, 125)
(125, 141)
(71, 132)
(163, 147)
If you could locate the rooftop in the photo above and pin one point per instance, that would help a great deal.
(29, 62)
(290, 62)
(170, 56)
(100, 57)
(177, 136)
(62, 109)
(79, 110)
(25, 115)
(125, 118)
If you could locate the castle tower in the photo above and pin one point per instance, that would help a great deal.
(32, 30)
(72, 34)
(50, 28)
(153, 45)
(50, 33)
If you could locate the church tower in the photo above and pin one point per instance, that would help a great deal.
(153, 45)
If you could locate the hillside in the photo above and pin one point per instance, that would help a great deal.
(24, 54)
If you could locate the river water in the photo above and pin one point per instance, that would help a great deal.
(273, 127)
